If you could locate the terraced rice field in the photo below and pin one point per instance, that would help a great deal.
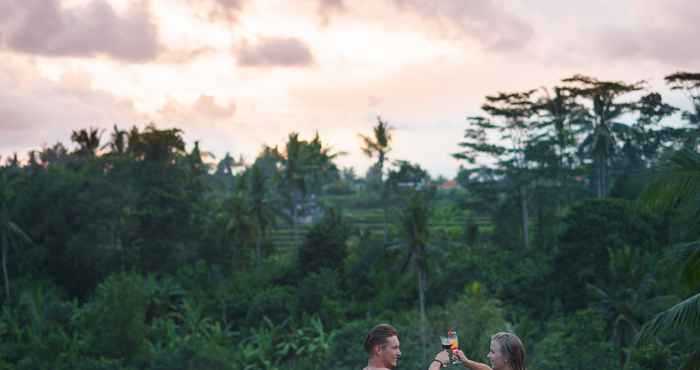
(371, 219)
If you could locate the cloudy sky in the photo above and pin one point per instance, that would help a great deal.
(238, 74)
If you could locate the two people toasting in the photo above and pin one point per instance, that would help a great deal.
(506, 351)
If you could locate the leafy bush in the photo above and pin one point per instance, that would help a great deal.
(652, 356)
(325, 244)
(591, 229)
(317, 294)
(277, 304)
(574, 342)
(195, 355)
(116, 322)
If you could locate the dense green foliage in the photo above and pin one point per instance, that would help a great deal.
(140, 254)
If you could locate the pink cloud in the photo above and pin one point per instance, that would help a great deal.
(36, 111)
(673, 41)
(204, 109)
(485, 21)
(274, 52)
(328, 7)
(45, 27)
(219, 10)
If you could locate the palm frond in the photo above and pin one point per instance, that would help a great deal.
(693, 362)
(690, 274)
(17, 231)
(598, 292)
(685, 314)
(678, 180)
(688, 256)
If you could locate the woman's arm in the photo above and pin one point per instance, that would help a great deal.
(473, 365)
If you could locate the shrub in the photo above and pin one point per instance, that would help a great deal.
(116, 322)
(277, 304)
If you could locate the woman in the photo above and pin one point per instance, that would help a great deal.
(506, 352)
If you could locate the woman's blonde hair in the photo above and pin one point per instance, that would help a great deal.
(512, 349)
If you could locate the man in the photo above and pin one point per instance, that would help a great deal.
(382, 346)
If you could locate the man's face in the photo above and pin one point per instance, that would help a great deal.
(389, 352)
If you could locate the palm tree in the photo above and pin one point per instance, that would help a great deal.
(293, 177)
(414, 224)
(301, 171)
(677, 188)
(88, 141)
(10, 234)
(601, 121)
(153, 144)
(625, 301)
(379, 145)
(263, 214)
(117, 144)
(238, 228)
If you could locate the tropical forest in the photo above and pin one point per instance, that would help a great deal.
(573, 222)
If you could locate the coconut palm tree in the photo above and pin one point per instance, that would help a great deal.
(117, 143)
(625, 301)
(601, 122)
(302, 168)
(88, 141)
(379, 144)
(263, 213)
(414, 226)
(238, 228)
(677, 188)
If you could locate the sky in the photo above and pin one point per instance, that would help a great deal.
(239, 74)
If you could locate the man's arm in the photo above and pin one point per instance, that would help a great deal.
(440, 360)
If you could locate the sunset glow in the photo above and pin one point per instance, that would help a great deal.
(239, 74)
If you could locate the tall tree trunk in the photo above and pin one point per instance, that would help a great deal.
(385, 207)
(605, 177)
(421, 304)
(524, 216)
(599, 181)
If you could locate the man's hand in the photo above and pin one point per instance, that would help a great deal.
(443, 357)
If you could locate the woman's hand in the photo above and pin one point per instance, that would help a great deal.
(460, 356)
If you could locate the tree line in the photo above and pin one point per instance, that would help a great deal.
(575, 225)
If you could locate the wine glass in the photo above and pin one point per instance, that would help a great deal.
(446, 346)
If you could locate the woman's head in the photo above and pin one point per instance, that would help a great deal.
(507, 352)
